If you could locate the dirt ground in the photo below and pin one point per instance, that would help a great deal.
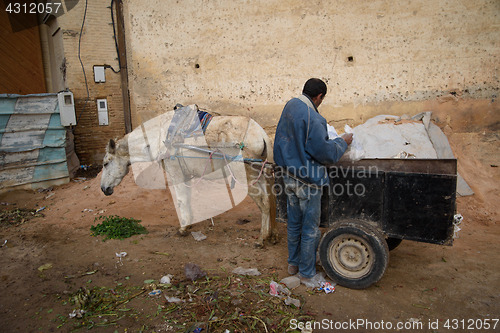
(426, 288)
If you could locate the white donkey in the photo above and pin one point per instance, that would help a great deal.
(183, 165)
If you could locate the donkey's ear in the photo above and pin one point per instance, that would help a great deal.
(122, 147)
(111, 148)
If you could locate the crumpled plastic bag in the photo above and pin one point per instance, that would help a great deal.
(155, 292)
(327, 287)
(173, 299)
(292, 301)
(77, 313)
(120, 256)
(457, 220)
(277, 290)
(315, 281)
(355, 151)
(166, 279)
(198, 235)
(247, 271)
(332, 133)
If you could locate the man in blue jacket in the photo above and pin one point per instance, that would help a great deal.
(301, 150)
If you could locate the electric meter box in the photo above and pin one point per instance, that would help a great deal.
(99, 74)
(67, 108)
(102, 112)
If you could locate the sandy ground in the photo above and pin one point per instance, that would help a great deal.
(426, 288)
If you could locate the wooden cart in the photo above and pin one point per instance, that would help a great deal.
(371, 205)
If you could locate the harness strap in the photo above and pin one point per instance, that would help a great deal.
(229, 168)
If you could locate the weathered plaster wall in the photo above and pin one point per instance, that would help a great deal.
(377, 57)
(250, 57)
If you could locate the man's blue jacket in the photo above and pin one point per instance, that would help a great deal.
(301, 144)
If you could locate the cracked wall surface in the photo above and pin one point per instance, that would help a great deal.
(377, 57)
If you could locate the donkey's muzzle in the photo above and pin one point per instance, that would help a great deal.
(107, 190)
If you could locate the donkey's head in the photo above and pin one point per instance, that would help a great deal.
(115, 165)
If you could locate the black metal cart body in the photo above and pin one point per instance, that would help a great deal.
(392, 199)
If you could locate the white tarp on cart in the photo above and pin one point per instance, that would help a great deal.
(387, 136)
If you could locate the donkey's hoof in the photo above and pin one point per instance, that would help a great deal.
(182, 233)
(274, 239)
(258, 245)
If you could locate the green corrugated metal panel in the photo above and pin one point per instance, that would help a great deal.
(55, 121)
(4, 119)
(50, 171)
(54, 138)
(32, 142)
(51, 154)
(7, 105)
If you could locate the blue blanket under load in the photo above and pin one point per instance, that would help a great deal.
(205, 118)
(180, 126)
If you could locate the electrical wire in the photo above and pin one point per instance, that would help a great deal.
(106, 66)
(81, 63)
(116, 41)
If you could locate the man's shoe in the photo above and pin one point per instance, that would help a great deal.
(292, 270)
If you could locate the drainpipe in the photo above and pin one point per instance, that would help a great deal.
(122, 54)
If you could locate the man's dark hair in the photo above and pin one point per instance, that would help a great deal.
(314, 87)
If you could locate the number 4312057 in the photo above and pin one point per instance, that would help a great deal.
(33, 8)
(471, 324)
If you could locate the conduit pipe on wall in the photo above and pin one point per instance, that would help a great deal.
(122, 59)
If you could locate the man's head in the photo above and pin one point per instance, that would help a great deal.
(316, 90)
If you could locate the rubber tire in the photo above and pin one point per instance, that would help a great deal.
(393, 243)
(362, 239)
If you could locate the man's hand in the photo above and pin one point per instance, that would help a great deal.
(347, 138)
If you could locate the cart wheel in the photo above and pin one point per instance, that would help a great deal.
(354, 254)
(393, 243)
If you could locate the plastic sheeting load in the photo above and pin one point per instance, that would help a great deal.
(387, 136)
(384, 137)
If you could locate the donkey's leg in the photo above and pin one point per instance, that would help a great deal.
(182, 193)
(273, 225)
(261, 193)
(183, 207)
